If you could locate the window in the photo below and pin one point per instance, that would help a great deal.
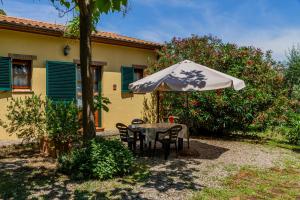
(138, 74)
(130, 75)
(21, 73)
(61, 81)
(96, 75)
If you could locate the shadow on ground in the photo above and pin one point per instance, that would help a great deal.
(202, 150)
(25, 174)
(177, 173)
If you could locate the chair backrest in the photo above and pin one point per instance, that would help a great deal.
(174, 131)
(138, 121)
(123, 130)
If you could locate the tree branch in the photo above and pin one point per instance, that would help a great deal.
(63, 12)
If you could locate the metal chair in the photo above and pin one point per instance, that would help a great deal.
(141, 135)
(125, 137)
(168, 137)
(138, 121)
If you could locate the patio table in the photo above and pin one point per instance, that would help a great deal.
(149, 130)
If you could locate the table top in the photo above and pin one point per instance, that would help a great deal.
(155, 125)
(150, 129)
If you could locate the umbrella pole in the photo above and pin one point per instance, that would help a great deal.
(188, 131)
(157, 107)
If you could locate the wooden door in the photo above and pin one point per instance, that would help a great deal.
(97, 88)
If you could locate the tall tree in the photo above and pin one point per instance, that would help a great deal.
(293, 69)
(89, 15)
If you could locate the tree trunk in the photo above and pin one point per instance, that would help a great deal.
(88, 123)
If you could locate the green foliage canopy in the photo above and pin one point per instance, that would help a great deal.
(292, 71)
(226, 110)
(293, 66)
(2, 12)
(99, 7)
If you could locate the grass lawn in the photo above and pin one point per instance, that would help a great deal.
(252, 183)
(220, 170)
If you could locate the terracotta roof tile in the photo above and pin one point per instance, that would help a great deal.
(102, 36)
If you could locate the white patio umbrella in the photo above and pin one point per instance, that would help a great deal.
(185, 76)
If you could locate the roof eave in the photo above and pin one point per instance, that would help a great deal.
(60, 33)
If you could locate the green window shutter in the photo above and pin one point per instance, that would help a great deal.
(100, 93)
(61, 81)
(127, 76)
(5, 74)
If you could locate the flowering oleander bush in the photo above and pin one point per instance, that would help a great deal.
(261, 104)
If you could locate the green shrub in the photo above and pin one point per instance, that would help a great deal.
(291, 129)
(277, 115)
(101, 159)
(31, 118)
(296, 93)
(77, 163)
(62, 121)
(26, 118)
(110, 158)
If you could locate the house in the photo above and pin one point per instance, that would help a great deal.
(35, 57)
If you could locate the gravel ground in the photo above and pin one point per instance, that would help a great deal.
(107, 133)
(4, 143)
(203, 165)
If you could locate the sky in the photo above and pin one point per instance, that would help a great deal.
(266, 24)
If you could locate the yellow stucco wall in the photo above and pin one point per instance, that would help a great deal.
(122, 109)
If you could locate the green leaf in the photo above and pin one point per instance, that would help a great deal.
(104, 6)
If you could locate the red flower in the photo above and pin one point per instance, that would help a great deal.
(250, 62)
(195, 103)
